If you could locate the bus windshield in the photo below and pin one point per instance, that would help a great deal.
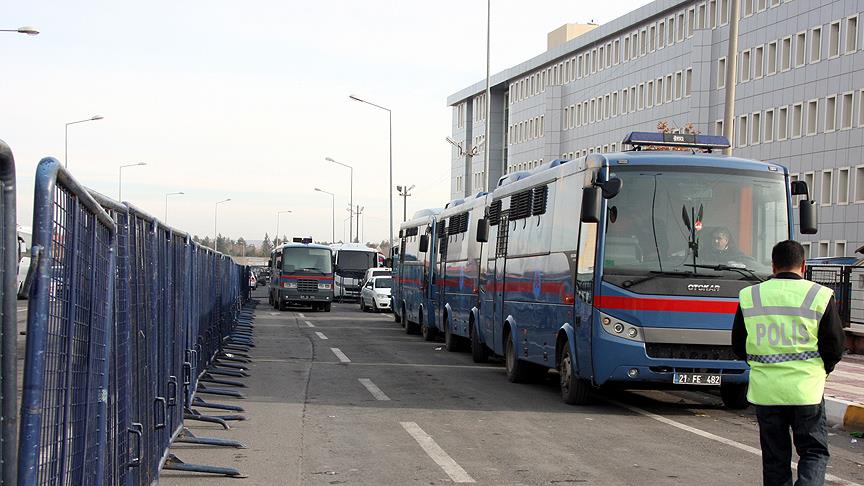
(306, 260)
(356, 260)
(743, 214)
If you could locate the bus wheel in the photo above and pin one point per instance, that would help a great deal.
(734, 395)
(517, 371)
(574, 391)
(327, 307)
(427, 332)
(396, 316)
(450, 343)
(479, 353)
(281, 305)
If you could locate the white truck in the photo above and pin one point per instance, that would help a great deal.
(350, 262)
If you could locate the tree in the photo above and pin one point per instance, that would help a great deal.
(266, 246)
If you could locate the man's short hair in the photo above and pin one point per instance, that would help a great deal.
(787, 255)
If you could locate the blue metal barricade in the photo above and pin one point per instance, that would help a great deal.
(8, 316)
(66, 375)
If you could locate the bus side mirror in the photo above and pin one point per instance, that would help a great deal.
(424, 243)
(610, 188)
(807, 217)
(799, 188)
(592, 199)
(482, 230)
(269, 263)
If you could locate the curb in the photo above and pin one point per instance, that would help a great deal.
(843, 413)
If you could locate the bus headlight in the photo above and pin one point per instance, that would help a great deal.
(621, 329)
(325, 286)
(290, 285)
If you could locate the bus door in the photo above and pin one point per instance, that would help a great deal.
(496, 323)
(585, 270)
(443, 243)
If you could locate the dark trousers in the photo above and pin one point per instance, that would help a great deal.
(810, 435)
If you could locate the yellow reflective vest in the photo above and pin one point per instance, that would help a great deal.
(782, 321)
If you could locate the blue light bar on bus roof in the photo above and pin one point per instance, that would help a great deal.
(689, 140)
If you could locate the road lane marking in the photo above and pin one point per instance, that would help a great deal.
(722, 440)
(309, 324)
(373, 389)
(320, 335)
(339, 354)
(301, 315)
(437, 454)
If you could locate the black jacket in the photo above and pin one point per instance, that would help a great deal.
(830, 336)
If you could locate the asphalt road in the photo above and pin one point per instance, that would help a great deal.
(404, 411)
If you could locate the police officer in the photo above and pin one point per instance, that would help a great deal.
(788, 330)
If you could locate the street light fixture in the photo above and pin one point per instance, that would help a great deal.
(390, 122)
(23, 30)
(404, 192)
(276, 238)
(350, 194)
(215, 223)
(166, 202)
(120, 179)
(333, 214)
(66, 137)
(469, 155)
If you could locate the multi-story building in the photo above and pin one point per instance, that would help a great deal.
(799, 97)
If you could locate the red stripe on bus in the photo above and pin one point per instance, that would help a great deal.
(667, 305)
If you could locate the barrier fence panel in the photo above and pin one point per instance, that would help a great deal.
(63, 413)
(8, 316)
(837, 278)
(856, 295)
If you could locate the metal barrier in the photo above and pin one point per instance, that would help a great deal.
(140, 315)
(837, 278)
(8, 316)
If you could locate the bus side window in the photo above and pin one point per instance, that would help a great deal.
(585, 261)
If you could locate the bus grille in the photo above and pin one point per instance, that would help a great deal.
(306, 285)
(689, 351)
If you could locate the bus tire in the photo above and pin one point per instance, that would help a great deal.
(518, 371)
(281, 305)
(396, 317)
(410, 327)
(450, 343)
(734, 395)
(427, 332)
(574, 390)
(479, 353)
(327, 307)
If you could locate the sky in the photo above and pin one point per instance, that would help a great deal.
(244, 100)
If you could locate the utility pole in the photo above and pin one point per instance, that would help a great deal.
(358, 213)
(404, 192)
(731, 76)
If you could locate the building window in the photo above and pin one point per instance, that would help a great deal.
(761, 5)
(745, 66)
(843, 185)
(718, 127)
(748, 7)
(793, 178)
(782, 123)
(669, 88)
(641, 97)
(691, 21)
(830, 113)
(632, 98)
(800, 48)
(861, 108)
(659, 95)
(614, 103)
(568, 120)
(606, 107)
(813, 117)
(758, 62)
(772, 58)
(624, 101)
(786, 54)
(846, 111)
(680, 27)
(649, 95)
(805, 244)
(643, 41)
(797, 120)
(839, 248)
(579, 119)
(724, 12)
(679, 85)
(769, 126)
(859, 184)
(601, 53)
(816, 44)
(743, 132)
(851, 34)
(721, 73)
(810, 178)
(652, 38)
(834, 39)
(826, 194)
(700, 16)
(670, 31)
(823, 248)
(756, 129)
(712, 13)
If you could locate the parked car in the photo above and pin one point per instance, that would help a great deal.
(376, 272)
(375, 294)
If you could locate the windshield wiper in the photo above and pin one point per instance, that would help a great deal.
(746, 272)
(654, 274)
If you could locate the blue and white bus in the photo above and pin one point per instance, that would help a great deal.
(620, 269)
(414, 270)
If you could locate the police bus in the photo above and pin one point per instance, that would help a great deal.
(623, 269)
(301, 274)
(413, 274)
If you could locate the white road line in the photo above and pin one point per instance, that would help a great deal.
(309, 324)
(434, 451)
(722, 440)
(301, 315)
(339, 354)
(373, 389)
(321, 335)
(22, 310)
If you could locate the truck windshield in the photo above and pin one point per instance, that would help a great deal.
(306, 260)
(743, 214)
(356, 260)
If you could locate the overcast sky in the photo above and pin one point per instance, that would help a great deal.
(245, 100)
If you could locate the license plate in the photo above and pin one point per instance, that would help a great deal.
(306, 297)
(696, 379)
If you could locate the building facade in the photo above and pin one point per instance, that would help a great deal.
(799, 98)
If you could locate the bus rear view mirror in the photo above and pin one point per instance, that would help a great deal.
(269, 263)
(807, 217)
(610, 188)
(799, 188)
(592, 199)
(424, 243)
(482, 230)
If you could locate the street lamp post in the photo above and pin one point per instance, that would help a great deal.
(276, 238)
(215, 224)
(66, 137)
(390, 122)
(23, 30)
(404, 191)
(120, 178)
(166, 202)
(333, 213)
(350, 193)
(488, 101)
(469, 155)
